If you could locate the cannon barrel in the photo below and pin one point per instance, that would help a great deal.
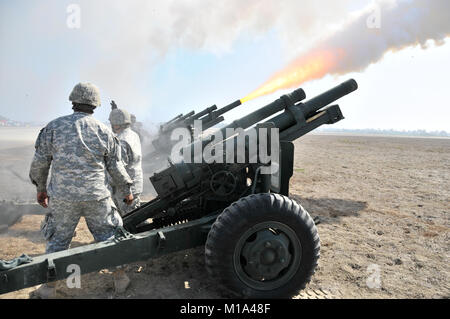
(186, 116)
(212, 122)
(286, 119)
(329, 97)
(213, 118)
(189, 119)
(171, 125)
(209, 117)
(206, 111)
(174, 119)
(179, 119)
(227, 108)
(255, 117)
(268, 110)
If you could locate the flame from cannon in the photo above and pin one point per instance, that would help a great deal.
(307, 67)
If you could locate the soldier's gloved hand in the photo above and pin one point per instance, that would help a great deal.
(42, 199)
(128, 199)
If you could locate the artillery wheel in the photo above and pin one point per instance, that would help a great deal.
(263, 246)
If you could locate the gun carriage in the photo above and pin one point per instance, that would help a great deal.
(258, 242)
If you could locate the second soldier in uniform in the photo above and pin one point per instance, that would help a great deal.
(131, 156)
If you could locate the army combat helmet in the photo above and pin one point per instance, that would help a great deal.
(85, 93)
(119, 117)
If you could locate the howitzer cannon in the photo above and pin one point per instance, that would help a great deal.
(258, 241)
(208, 118)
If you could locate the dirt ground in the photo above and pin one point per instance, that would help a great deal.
(383, 205)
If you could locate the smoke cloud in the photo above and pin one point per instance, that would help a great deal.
(382, 27)
(152, 29)
(119, 42)
(401, 24)
(144, 32)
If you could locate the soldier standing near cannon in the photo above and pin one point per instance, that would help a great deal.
(79, 150)
(130, 144)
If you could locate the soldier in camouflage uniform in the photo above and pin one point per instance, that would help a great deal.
(79, 150)
(131, 155)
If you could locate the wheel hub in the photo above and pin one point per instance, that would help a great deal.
(266, 255)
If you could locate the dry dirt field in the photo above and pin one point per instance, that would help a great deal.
(383, 205)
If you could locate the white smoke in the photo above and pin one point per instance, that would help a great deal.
(143, 32)
(399, 24)
(205, 24)
(119, 41)
(132, 36)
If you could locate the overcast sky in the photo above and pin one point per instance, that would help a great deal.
(161, 58)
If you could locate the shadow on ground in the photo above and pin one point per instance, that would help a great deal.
(12, 213)
(330, 210)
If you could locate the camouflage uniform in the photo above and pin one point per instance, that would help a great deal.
(79, 149)
(131, 156)
(59, 225)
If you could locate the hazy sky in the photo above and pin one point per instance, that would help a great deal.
(161, 58)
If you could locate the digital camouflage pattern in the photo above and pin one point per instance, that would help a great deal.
(79, 150)
(59, 225)
(132, 157)
(119, 117)
(85, 93)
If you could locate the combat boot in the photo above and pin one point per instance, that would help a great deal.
(121, 281)
(45, 291)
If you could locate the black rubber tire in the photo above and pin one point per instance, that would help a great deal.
(245, 213)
